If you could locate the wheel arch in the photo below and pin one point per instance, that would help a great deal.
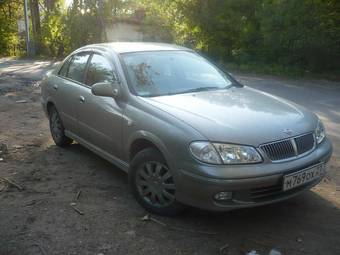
(48, 106)
(142, 140)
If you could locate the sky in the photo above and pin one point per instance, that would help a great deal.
(68, 2)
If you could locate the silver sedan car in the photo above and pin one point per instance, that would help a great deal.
(186, 132)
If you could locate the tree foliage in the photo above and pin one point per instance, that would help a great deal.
(298, 33)
(83, 24)
(9, 14)
(294, 33)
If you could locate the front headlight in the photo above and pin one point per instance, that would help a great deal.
(205, 152)
(220, 153)
(237, 154)
(320, 133)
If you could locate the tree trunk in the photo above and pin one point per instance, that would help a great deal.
(36, 27)
(49, 4)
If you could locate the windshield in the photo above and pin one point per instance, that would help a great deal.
(157, 73)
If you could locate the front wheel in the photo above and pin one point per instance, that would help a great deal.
(152, 183)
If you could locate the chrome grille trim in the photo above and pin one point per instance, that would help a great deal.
(290, 148)
(304, 143)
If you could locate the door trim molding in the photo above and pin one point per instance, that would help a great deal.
(114, 160)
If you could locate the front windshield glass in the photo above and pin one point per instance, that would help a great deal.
(157, 73)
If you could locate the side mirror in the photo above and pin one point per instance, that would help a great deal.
(105, 89)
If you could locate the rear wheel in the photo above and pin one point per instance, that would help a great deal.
(57, 129)
(153, 184)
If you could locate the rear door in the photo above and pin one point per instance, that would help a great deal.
(100, 118)
(66, 89)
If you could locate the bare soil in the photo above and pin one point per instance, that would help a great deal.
(69, 201)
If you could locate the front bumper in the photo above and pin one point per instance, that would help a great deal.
(196, 189)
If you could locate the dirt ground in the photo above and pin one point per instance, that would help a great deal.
(69, 201)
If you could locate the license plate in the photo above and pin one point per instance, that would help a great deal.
(299, 178)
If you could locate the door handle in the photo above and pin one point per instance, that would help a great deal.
(82, 99)
(55, 87)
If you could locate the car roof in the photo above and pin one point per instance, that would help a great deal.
(125, 47)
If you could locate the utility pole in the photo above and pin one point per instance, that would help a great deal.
(101, 18)
(28, 43)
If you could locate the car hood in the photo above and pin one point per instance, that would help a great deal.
(238, 115)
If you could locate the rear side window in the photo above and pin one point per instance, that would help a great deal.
(99, 70)
(77, 67)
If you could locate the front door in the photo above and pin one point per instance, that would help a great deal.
(100, 118)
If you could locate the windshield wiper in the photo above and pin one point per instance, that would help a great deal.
(202, 89)
(188, 91)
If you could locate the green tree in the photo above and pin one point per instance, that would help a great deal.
(295, 33)
(82, 24)
(301, 34)
(10, 12)
(54, 36)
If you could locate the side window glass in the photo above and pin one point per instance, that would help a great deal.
(77, 67)
(99, 70)
(64, 68)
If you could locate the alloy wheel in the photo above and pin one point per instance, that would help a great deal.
(155, 184)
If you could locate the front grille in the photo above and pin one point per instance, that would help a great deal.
(276, 191)
(289, 148)
(279, 150)
(304, 143)
(264, 192)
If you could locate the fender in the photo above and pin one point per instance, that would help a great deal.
(44, 104)
(142, 134)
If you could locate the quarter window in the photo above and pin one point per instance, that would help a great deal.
(99, 70)
(77, 67)
(64, 68)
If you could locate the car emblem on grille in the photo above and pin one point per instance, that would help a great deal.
(288, 131)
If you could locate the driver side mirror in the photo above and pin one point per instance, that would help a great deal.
(105, 89)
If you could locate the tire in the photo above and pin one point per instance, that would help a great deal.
(57, 129)
(152, 183)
